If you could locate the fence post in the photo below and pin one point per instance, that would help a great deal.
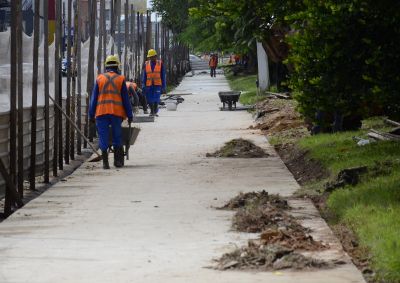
(36, 35)
(46, 93)
(20, 104)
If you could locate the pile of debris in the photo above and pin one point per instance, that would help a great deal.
(250, 199)
(281, 238)
(239, 148)
(267, 258)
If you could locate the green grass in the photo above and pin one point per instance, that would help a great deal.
(371, 208)
(247, 85)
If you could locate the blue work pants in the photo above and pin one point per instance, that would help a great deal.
(103, 124)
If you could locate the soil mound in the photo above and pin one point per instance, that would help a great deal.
(239, 148)
(275, 115)
(253, 199)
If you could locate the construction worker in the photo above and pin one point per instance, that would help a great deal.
(137, 96)
(109, 106)
(154, 81)
(213, 63)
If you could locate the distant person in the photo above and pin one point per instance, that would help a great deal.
(237, 59)
(109, 106)
(213, 63)
(154, 81)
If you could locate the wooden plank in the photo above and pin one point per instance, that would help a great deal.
(393, 123)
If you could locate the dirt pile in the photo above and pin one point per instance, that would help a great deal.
(239, 148)
(267, 257)
(250, 199)
(276, 115)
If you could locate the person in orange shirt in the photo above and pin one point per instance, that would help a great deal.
(213, 63)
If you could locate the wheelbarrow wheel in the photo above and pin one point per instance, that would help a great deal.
(230, 105)
(127, 151)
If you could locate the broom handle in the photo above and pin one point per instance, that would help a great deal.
(75, 126)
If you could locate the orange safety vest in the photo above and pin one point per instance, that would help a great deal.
(213, 62)
(109, 100)
(153, 77)
(131, 85)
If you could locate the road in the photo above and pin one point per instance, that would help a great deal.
(154, 220)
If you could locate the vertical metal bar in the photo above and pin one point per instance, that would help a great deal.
(149, 34)
(79, 81)
(132, 41)
(137, 49)
(143, 37)
(90, 76)
(13, 106)
(126, 40)
(104, 29)
(59, 95)
(71, 141)
(46, 93)
(69, 73)
(57, 78)
(100, 40)
(119, 29)
(36, 35)
(112, 31)
(20, 104)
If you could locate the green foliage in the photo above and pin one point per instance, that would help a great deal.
(175, 13)
(344, 56)
(247, 85)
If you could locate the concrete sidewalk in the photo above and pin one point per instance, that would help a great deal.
(154, 221)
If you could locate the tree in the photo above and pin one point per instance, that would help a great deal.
(337, 54)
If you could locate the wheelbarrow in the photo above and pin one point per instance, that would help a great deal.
(128, 136)
(230, 98)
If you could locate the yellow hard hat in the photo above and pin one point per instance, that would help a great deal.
(112, 61)
(151, 53)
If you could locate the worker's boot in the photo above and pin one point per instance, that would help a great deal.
(118, 157)
(104, 155)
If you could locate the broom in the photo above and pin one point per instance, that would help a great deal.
(95, 159)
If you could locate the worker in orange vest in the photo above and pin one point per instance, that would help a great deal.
(109, 106)
(137, 97)
(153, 81)
(213, 63)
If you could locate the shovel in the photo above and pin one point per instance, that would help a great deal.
(95, 159)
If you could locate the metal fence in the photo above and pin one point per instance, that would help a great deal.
(48, 155)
